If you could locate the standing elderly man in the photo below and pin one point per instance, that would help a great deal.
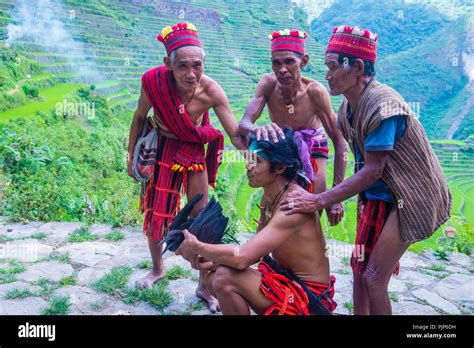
(303, 104)
(403, 194)
(181, 96)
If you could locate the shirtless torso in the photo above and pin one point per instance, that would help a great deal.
(304, 250)
(300, 112)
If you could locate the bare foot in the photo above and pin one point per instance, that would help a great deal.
(151, 278)
(205, 295)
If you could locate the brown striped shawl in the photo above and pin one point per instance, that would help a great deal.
(412, 171)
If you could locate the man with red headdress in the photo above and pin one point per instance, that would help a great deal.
(403, 194)
(181, 96)
(304, 105)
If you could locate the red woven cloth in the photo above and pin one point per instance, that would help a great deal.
(180, 35)
(369, 229)
(319, 151)
(175, 157)
(287, 40)
(288, 296)
(354, 41)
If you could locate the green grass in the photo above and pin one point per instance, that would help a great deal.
(437, 268)
(8, 274)
(176, 272)
(393, 297)
(114, 282)
(82, 235)
(196, 307)
(158, 296)
(68, 281)
(98, 305)
(59, 305)
(47, 287)
(65, 257)
(349, 306)
(18, 293)
(430, 272)
(39, 235)
(51, 95)
(145, 264)
(115, 236)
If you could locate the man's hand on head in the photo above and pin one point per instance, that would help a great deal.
(269, 131)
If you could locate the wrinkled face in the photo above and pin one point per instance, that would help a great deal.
(340, 78)
(286, 66)
(259, 173)
(188, 67)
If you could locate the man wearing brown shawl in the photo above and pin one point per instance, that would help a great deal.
(403, 194)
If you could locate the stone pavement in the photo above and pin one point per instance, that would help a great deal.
(39, 264)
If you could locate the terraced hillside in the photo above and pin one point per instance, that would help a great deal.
(108, 46)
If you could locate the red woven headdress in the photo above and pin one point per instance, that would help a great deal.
(354, 41)
(286, 40)
(179, 35)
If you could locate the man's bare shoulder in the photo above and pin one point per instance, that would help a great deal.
(317, 92)
(211, 88)
(268, 78)
(316, 88)
(293, 220)
(267, 84)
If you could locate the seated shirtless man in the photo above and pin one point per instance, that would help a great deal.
(296, 244)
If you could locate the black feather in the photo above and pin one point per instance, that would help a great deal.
(183, 215)
(208, 227)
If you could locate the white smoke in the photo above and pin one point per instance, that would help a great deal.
(313, 8)
(468, 53)
(38, 22)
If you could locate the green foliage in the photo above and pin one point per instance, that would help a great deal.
(115, 236)
(47, 181)
(18, 293)
(82, 235)
(114, 282)
(39, 235)
(59, 305)
(47, 287)
(30, 90)
(349, 306)
(393, 297)
(98, 305)
(65, 257)
(67, 281)
(8, 269)
(395, 28)
(158, 296)
(176, 272)
(145, 264)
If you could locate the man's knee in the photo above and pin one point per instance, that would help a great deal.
(223, 278)
(373, 279)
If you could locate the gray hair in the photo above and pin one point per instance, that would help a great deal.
(173, 55)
